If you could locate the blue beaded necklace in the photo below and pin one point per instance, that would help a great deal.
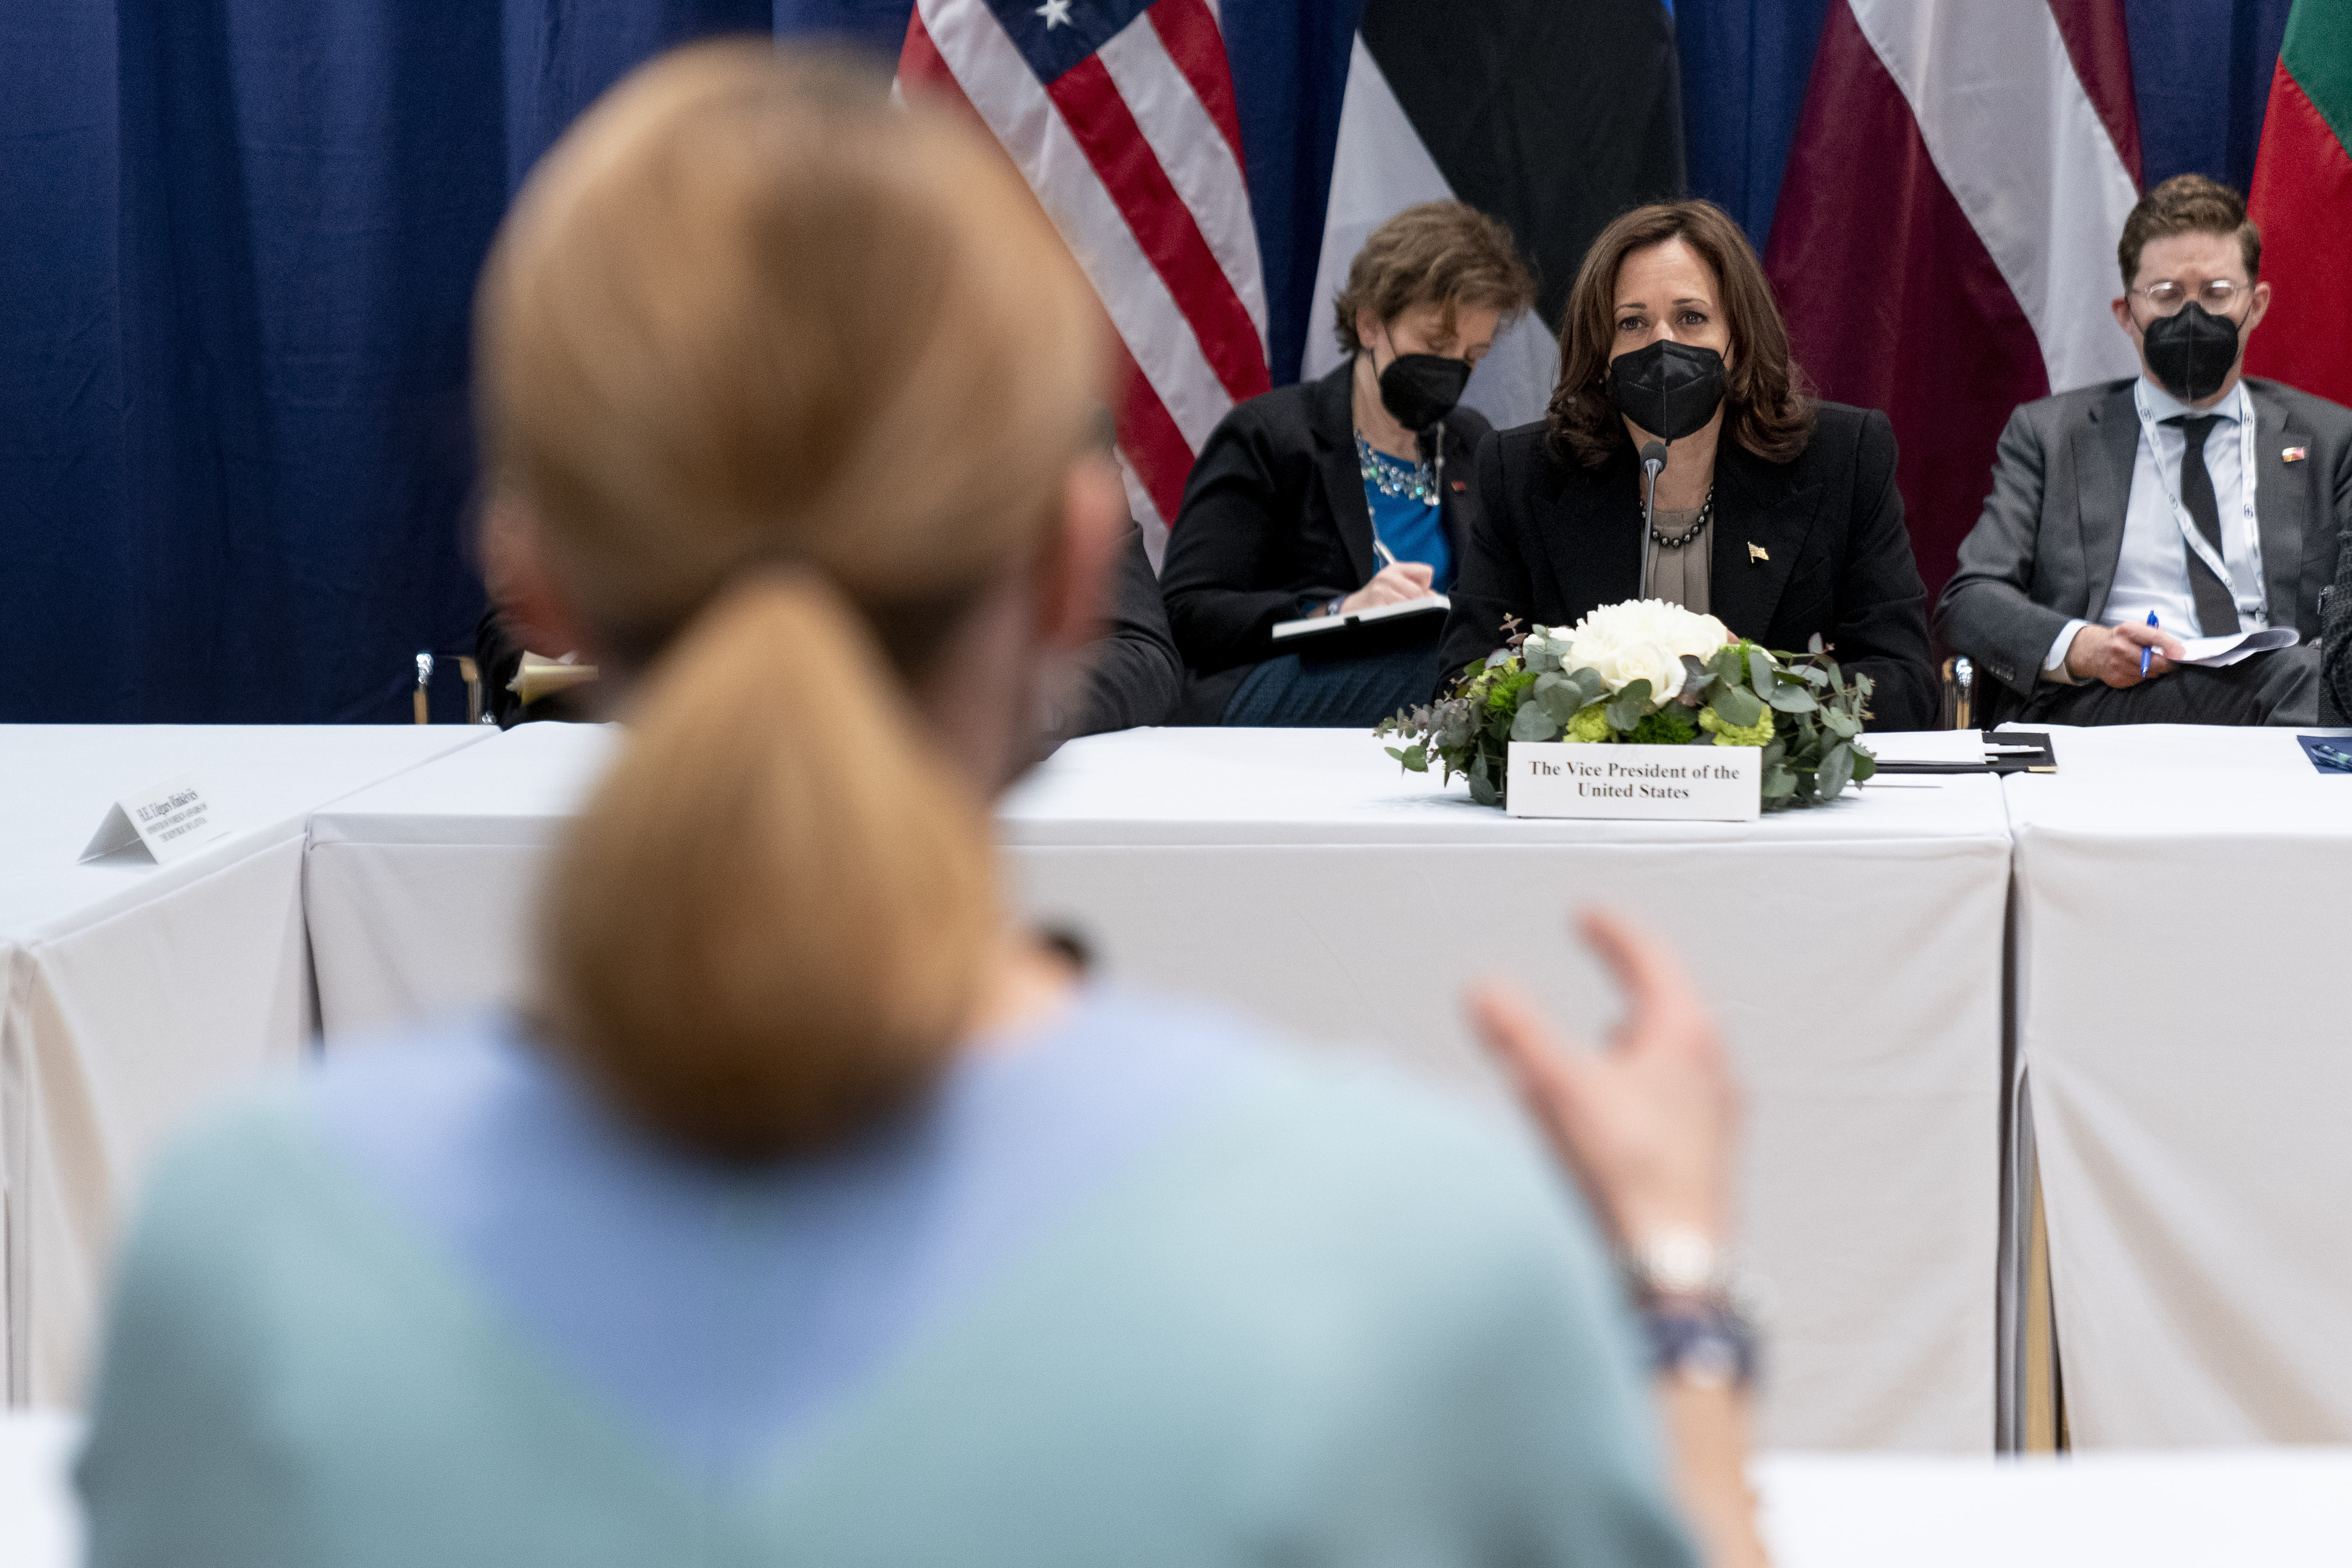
(1395, 476)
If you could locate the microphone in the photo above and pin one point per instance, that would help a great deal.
(1653, 458)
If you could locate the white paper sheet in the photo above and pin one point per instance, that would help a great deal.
(2215, 652)
(1925, 745)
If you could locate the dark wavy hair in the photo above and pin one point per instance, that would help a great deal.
(1768, 402)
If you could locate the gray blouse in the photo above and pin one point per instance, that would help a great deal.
(1679, 575)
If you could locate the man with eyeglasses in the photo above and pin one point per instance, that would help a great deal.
(2184, 502)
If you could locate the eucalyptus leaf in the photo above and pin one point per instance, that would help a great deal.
(1837, 768)
(1560, 695)
(1481, 792)
(1791, 698)
(1778, 783)
(1736, 705)
(1843, 725)
(1417, 759)
(1760, 672)
(1533, 723)
(1864, 766)
(1625, 710)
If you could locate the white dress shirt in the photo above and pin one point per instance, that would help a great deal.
(2152, 571)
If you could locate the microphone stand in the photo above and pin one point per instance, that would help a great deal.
(1654, 460)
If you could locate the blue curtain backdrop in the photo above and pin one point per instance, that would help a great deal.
(238, 247)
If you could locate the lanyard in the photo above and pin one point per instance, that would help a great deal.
(2252, 612)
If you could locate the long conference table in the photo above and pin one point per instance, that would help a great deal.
(132, 993)
(1855, 956)
(1900, 977)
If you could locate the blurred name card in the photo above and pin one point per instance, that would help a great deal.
(539, 676)
(167, 819)
(1656, 784)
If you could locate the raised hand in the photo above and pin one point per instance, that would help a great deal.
(1647, 1124)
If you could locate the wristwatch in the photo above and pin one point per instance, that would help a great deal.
(1693, 1307)
(1678, 1261)
(1701, 1341)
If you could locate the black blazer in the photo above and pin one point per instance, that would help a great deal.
(1815, 544)
(1274, 520)
(1133, 673)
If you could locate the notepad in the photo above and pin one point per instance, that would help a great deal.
(2229, 648)
(1323, 625)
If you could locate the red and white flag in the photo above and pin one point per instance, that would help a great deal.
(1121, 115)
(1945, 241)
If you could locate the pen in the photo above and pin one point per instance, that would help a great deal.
(2143, 652)
(1388, 557)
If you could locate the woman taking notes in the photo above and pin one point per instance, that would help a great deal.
(1348, 493)
(812, 1212)
(1777, 514)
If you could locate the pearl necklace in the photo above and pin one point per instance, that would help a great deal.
(1705, 512)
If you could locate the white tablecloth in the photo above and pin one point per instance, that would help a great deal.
(419, 890)
(2281, 1507)
(40, 1522)
(1854, 954)
(131, 993)
(2182, 1018)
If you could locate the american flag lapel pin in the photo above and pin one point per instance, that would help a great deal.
(2293, 454)
(1757, 552)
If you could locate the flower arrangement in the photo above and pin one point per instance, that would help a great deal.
(1649, 673)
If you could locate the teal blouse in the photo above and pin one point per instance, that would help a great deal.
(1144, 1288)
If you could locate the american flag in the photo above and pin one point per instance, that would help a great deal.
(1120, 114)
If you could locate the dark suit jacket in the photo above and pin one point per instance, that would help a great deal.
(2044, 551)
(1133, 673)
(1274, 520)
(1557, 540)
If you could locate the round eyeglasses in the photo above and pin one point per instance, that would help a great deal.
(2218, 295)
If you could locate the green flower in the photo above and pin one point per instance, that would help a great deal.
(1590, 724)
(1503, 696)
(1759, 733)
(1666, 727)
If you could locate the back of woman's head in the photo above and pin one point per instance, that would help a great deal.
(769, 364)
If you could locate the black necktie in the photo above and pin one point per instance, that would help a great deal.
(2217, 612)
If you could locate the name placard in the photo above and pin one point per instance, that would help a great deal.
(168, 819)
(1671, 783)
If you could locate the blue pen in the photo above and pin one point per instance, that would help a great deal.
(2145, 651)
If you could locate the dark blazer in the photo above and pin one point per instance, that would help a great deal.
(1133, 673)
(1558, 539)
(2044, 551)
(1275, 521)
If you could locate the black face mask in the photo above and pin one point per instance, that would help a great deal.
(2190, 351)
(1669, 389)
(1421, 389)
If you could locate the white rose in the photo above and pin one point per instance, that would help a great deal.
(1679, 630)
(1653, 662)
(1608, 637)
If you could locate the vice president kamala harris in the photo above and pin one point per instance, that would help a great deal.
(1777, 514)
